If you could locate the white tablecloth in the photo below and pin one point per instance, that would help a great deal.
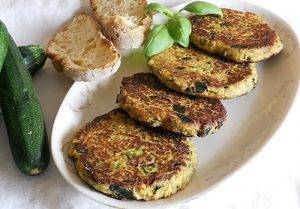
(270, 180)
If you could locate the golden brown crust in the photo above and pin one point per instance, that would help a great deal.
(239, 36)
(193, 72)
(144, 97)
(236, 29)
(103, 151)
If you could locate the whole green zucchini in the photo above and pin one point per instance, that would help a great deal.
(3, 45)
(34, 57)
(22, 113)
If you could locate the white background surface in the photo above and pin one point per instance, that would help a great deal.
(270, 180)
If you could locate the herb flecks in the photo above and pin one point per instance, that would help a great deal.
(179, 108)
(200, 87)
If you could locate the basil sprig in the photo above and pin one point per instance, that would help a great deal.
(180, 29)
(177, 29)
(155, 7)
(203, 8)
(158, 40)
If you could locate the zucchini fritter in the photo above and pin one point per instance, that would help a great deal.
(126, 160)
(238, 36)
(193, 72)
(145, 98)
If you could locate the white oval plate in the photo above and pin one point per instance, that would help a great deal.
(252, 119)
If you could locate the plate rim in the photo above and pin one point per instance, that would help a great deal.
(290, 106)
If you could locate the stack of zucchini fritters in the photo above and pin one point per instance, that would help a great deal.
(143, 150)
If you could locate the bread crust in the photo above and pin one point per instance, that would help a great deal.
(79, 73)
(124, 33)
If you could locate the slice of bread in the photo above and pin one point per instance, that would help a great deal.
(124, 21)
(82, 52)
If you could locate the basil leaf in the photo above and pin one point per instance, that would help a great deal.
(155, 7)
(180, 29)
(158, 40)
(203, 8)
